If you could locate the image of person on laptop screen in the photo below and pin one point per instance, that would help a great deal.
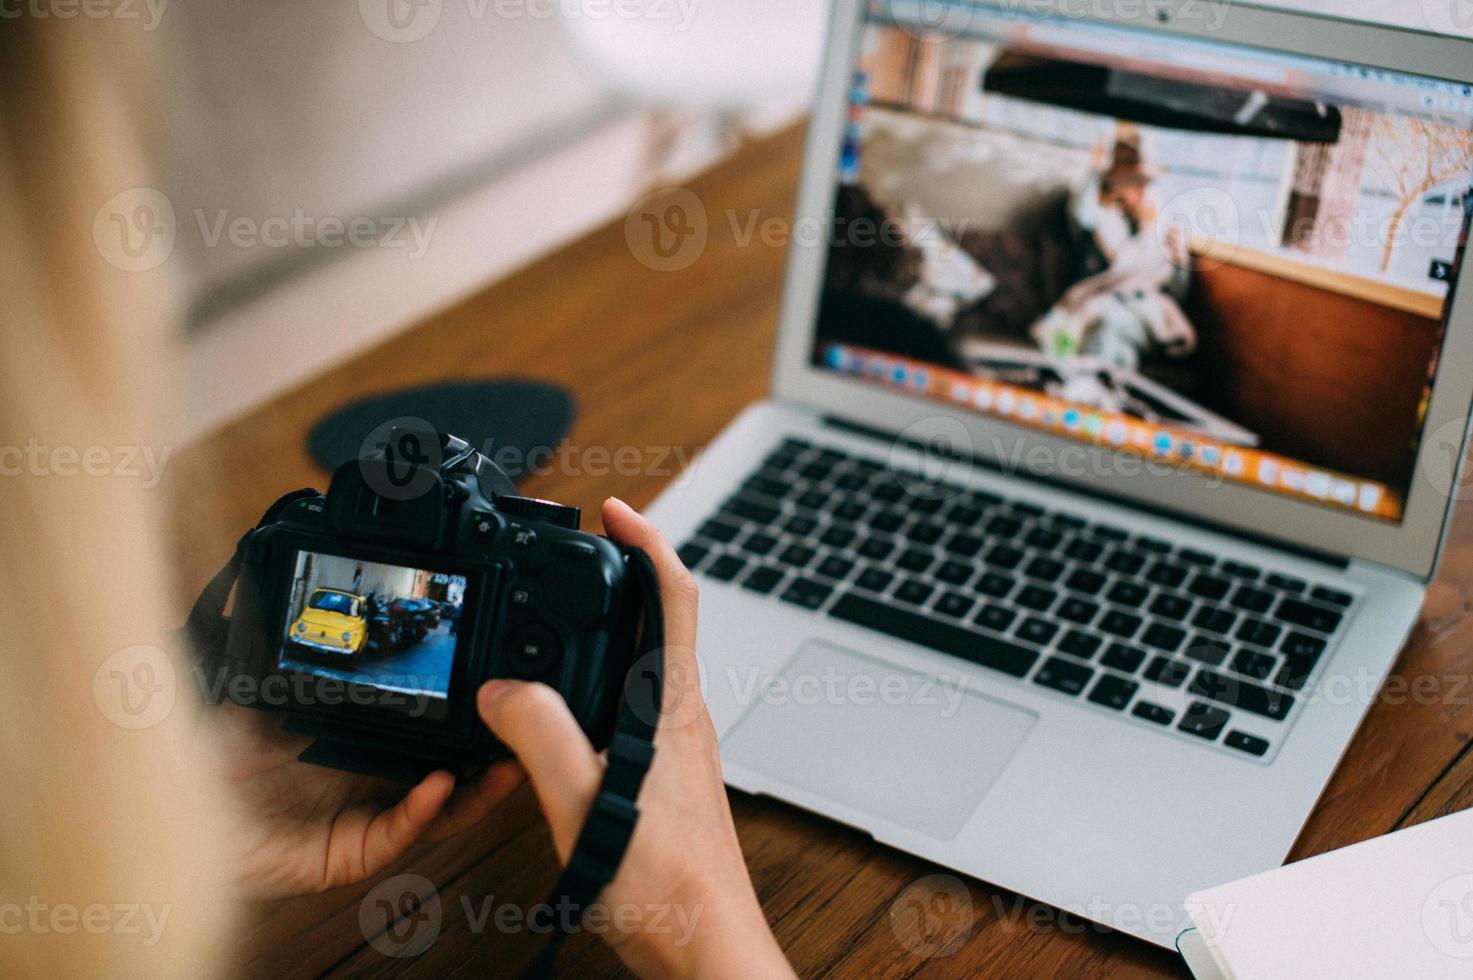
(1218, 263)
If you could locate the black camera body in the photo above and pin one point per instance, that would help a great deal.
(372, 614)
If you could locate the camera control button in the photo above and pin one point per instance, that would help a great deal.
(535, 651)
(521, 596)
(524, 537)
(574, 549)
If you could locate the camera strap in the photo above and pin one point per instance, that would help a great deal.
(206, 626)
(604, 839)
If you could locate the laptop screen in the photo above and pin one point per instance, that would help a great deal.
(1213, 257)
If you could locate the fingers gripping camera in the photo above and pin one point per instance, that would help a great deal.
(372, 614)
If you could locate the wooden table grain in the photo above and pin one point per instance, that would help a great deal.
(661, 361)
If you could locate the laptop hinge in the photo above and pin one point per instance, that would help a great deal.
(890, 438)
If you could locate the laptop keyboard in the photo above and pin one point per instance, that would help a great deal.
(1086, 610)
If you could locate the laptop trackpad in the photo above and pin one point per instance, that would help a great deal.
(914, 749)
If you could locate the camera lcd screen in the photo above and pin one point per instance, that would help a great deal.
(387, 627)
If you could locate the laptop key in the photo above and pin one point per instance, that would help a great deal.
(887, 522)
(965, 545)
(1120, 624)
(1110, 532)
(954, 573)
(1004, 557)
(1166, 672)
(995, 585)
(850, 510)
(1128, 593)
(759, 544)
(1253, 600)
(925, 533)
(1126, 659)
(838, 537)
(874, 580)
(1244, 742)
(1204, 649)
(1077, 610)
(1127, 562)
(1332, 596)
(1299, 613)
(835, 567)
(797, 555)
(1170, 606)
(1043, 539)
(1251, 663)
(719, 531)
(996, 618)
(1259, 633)
(914, 591)
(915, 561)
(751, 511)
(1113, 692)
(1167, 574)
(763, 579)
(1152, 712)
(1194, 557)
(801, 525)
(1302, 645)
(964, 515)
(1035, 630)
(1203, 720)
(1080, 644)
(692, 553)
(1241, 694)
(1210, 587)
(1086, 581)
(807, 593)
(1287, 583)
(1062, 675)
(726, 568)
(1214, 620)
(1044, 569)
(926, 631)
(1163, 637)
(955, 604)
(1242, 570)
(1085, 551)
(1036, 598)
(1003, 527)
(876, 549)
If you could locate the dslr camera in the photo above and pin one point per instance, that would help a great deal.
(370, 615)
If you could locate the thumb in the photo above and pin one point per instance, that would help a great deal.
(534, 721)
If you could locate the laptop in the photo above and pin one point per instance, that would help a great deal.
(1118, 411)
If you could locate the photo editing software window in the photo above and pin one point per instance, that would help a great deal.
(387, 627)
(1226, 259)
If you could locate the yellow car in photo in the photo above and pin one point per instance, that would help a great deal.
(334, 622)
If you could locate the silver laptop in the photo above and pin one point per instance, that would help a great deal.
(1119, 407)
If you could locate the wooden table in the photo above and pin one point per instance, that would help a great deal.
(665, 359)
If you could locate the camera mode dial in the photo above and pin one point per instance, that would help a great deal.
(539, 510)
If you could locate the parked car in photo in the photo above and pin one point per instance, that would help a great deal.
(333, 622)
(415, 618)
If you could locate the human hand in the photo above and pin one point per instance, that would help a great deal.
(683, 893)
(305, 829)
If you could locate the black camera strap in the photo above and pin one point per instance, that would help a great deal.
(606, 832)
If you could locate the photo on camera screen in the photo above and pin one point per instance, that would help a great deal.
(384, 626)
(1232, 261)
